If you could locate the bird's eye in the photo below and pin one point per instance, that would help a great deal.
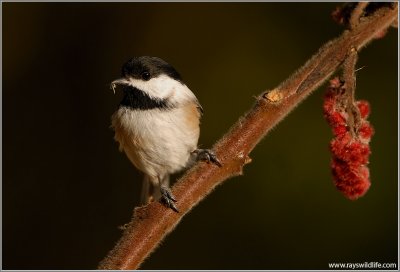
(145, 75)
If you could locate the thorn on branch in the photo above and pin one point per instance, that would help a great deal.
(395, 23)
(247, 160)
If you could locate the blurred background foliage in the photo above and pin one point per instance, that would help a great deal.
(66, 188)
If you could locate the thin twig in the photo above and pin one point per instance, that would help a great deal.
(151, 223)
(349, 78)
(357, 13)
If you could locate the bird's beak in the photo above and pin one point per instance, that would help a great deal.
(120, 81)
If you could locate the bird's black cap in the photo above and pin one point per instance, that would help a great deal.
(146, 67)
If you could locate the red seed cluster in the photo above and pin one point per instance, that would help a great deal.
(350, 147)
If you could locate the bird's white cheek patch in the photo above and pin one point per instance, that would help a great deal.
(164, 87)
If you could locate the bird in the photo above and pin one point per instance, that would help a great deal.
(157, 125)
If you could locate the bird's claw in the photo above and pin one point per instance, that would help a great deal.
(168, 199)
(208, 156)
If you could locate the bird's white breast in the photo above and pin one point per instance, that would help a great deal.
(157, 141)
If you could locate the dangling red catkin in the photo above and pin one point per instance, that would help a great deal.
(350, 149)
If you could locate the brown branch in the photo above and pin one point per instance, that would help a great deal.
(151, 223)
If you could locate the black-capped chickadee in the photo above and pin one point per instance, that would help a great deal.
(157, 124)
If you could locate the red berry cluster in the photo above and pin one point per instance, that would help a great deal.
(350, 147)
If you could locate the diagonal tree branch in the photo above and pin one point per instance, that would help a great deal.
(151, 223)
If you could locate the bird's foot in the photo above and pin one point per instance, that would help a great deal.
(207, 155)
(168, 199)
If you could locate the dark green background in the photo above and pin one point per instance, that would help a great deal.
(66, 188)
